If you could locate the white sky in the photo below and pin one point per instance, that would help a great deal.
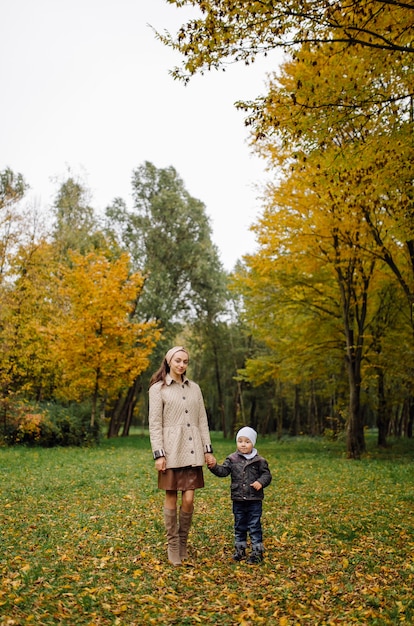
(85, 86)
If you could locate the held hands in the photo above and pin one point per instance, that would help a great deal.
(160, 464)
(210, 459)
(256, 485)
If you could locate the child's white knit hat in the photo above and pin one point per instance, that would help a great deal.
(248, 432)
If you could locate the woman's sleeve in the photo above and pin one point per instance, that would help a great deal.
(203, 424)
(155, 421)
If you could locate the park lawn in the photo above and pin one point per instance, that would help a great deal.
(82, 539)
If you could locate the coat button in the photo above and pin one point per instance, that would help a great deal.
(192, 451)
(186, 410)
(190, 439)
(188, 424)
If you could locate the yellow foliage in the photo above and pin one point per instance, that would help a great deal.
(101, 347)
(335, 222)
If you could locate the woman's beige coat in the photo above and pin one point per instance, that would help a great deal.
(178, 423)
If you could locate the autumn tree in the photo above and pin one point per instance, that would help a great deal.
(101, 348)
(381, 132)
(68, 329)
(292, 311)
(222, 33)
(346, 94)
(29, 308)
(363, 48)
(308, 287)
(378, 140)
(17, 236)
(356, 195)
(27, 300)
(241, 30)
(389, 361)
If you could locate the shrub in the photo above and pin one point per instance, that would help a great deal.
(47, 425)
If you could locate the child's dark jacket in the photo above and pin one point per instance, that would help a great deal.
(244, 472)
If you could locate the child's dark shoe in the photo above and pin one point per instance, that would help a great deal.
(256, 556)
(240, 554)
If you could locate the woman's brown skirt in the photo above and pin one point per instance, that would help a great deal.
(181, 479)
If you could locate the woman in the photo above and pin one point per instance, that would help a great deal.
(180, 442)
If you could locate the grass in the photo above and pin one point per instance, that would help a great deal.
(82, 539)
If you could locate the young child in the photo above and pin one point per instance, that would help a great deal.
(250, 474)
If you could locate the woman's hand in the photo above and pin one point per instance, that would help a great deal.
(210, 459)
(160, 464)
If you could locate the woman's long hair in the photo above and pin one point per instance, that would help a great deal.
(160, 374)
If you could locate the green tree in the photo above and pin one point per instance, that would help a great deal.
(76, 226)
(12, 189)
(168, 235)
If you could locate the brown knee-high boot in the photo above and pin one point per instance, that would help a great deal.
(185, 523)
(170, 519)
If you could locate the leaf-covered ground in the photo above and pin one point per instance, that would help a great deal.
(82, 540)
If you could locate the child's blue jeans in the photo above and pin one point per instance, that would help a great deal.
(247, 519)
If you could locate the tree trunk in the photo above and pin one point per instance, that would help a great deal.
(130, 406)
(295, 428)
(95, 400)
(382, 417)
(354, 312)
(128, 417)
(235, 410)
(280, 423)
(410, 418)
(220, 399)
(313, 412)
(252, 418)
(279, 409)
(355, 430)
(114, 422)
(123, 411)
